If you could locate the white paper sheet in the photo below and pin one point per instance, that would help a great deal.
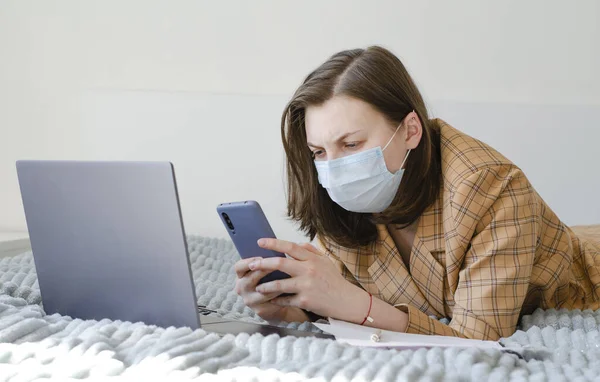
(361, 336)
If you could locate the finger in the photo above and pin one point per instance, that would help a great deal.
(311, 248)
(290, 266)
(282, 246)
(279, 286)
(254, 277)
(296, 300)
(241, 267)
(250, 280)
(255, 298)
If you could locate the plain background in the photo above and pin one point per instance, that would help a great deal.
(203, 84)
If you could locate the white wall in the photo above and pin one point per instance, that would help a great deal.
(65, 64)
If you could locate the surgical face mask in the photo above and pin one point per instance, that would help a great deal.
(361, 182)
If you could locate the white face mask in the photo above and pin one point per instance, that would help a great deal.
(361, 182)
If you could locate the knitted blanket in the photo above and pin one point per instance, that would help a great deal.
(562, 345)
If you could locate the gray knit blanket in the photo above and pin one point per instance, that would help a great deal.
(558, 345)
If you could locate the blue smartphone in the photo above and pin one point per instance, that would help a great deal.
(246, 223)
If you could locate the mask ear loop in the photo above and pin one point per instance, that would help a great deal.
(390, 141)
(405, 158)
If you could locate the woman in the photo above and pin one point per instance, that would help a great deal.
(417, 220)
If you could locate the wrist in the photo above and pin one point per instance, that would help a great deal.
(368, 315)
(358, 305)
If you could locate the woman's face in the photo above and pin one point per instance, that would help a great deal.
(344, 125)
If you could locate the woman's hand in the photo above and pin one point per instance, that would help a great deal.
(261, 303)
(315, 283)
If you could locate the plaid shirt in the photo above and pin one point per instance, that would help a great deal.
(486, 252)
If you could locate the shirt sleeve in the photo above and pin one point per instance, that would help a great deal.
(494, 211)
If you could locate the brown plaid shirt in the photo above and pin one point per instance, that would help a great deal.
(486, 252)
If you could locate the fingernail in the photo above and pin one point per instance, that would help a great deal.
(261, 242)
(260, 289)
(253, 265)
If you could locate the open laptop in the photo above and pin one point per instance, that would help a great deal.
(108, 242)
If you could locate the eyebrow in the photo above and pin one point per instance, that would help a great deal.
(341, 138)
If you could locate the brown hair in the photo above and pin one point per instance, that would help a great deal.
(373, 75)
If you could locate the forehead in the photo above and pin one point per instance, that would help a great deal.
(340, 115)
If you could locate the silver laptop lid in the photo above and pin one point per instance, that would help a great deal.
(108, 241)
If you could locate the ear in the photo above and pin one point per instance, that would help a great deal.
(413, 130)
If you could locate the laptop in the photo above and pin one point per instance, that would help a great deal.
(108, 241)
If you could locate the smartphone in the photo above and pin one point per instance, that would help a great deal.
(246, 223)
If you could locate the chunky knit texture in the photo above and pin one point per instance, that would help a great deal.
(562, 345)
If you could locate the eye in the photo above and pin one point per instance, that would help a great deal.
(351, 145)
(317, 154)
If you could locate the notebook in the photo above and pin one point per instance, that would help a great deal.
(358, 335)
